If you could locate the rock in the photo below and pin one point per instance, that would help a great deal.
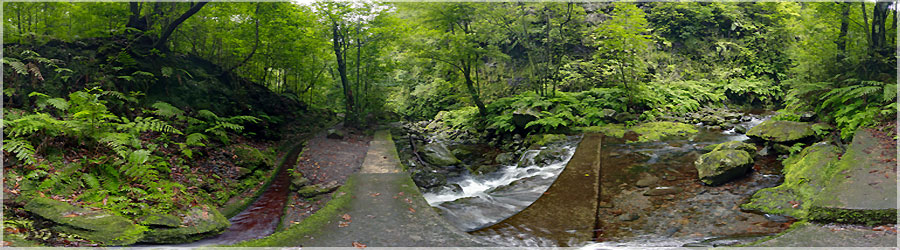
(647, 180)
(437, 153)
(740, 129)
(463, 153)
(252, 158)
(628, 217)
(776, 218)
(822, 236)
(449, 188)
(624, 117)
(781, 148)
(781, 131)
(299, 182)
(735, 145)
(242, 171)
(662, 191)
(607, 113)
(521, 117)
(108, 229)
(428, 179)
(317, 189)
(720, 166)
(807, 116)
(731, 115)
(746, 118)
(548, 156)
(671, 231)
(863, 188)
(483, 169)
(162, 220)
(197, 223)
(335, 134)
(507, 158)
(712, 120)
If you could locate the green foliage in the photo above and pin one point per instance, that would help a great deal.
(23, 150)
(858, 104)
(210, 123)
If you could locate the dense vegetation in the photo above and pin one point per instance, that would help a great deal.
(112, 104)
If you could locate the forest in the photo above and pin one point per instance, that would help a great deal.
(161, 122)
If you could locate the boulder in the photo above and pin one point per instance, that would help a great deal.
(647, 180)
(507, 158)
(544, 139)
(162, 220)
(197, 223)
(740, 129)
(317, 189)
(521, 117)
(735, 145)
(299, 182)
(428, 179)
(805, 175)
(607, 113)
(106, 228)
(548, 156)
(252, 158)
(483, 169)
(781, 131)
(438, 154)
(335, 134)
(720, 166)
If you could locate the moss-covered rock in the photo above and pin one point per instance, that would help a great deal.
(720, 166)
(735, 145)
(252, 158)
(544, 139)
(195, 224)
(438, 154)
(108, 229)
(612, 129)
(162, 220)
(781, 131)
(863, 186)
(653, 131)
(317, 189)
(805, 175)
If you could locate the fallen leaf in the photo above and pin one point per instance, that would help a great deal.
(346, 217)
(70, 215)
(358, 245)
(343, 224)
(411, 210)
(374, 194)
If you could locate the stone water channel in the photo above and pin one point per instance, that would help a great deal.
(649, 196)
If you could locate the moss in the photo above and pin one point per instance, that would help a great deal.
(734, 145)
(198, 223)
(805, 175)
(97, 226)
(718, 167)
(544, 139)
(781, 131)
(252, 158)
(614, 130)
(654, 131)
(855, 216)
(291, 237)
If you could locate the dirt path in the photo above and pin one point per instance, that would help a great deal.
(325, 160)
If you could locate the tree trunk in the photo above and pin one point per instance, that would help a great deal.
(879, 18)
(865, 16)
(467, 73)
(336, 40)
(845, 23)
(161, 43)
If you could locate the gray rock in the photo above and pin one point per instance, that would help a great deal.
(438, 154)
(507, 158)
(662, 191)
(647, 180)
(628, 217)
(335, 134)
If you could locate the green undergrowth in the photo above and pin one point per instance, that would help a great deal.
(311, 225)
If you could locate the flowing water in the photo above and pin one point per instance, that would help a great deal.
(487, 199)
(695, 215)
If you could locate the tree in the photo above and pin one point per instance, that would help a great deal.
(146, 22)
(623, 42)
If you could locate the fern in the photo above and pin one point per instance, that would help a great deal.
(166, 110)
(195, 139)
(23, 150)
(17, 65)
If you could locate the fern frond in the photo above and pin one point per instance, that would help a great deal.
(17, 65)
(208, 115)
(195, 139)
(21, 149)
(166, 110)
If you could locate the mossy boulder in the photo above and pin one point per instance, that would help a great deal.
(781, 131)
(437, 153)
(863, 187)
(195, 224)
(106, 228)
(805, 175)
(521, 117)
(317, 189)
(505, 158)
(735, 145)
(720, 166)
(252, 158)
(162, 220)
(654, 131)
(335, 134)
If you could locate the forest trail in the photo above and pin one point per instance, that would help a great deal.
(385, 209)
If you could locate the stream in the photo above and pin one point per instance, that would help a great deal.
(695, 215)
